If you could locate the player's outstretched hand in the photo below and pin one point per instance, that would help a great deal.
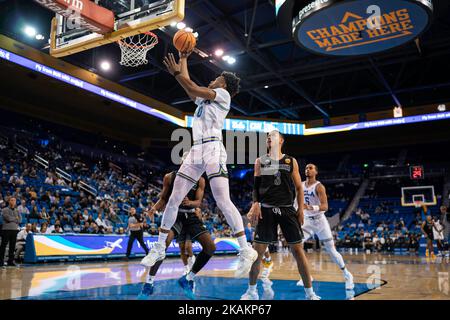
(171, 64)
(185, 55)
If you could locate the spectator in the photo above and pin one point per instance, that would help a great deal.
(58, 229)
(94, 228)
(22, 208)
(100, 221)
(86, 228)
(21, 240)
(34, 214)
(49, 179)
(10, 229)
(44, 215)
(44, 228)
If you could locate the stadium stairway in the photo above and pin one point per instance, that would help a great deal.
(355, 201)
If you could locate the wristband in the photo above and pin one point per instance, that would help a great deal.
(177, 73)
(316, 208)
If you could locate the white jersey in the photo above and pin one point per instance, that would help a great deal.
(438, 231)
(210, 116)
(311, 199)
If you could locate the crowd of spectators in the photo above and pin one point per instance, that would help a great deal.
(49, 203)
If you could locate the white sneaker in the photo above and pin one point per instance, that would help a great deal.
(349, 285)
(349, 295)
(266, 270)
(250, 295)
(247, 257)
(191, 261)
(300, 282)
(157, 253)
(313, 297)
(268, 293)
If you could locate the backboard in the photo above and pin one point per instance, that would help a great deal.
(412, 196)
(73, 33)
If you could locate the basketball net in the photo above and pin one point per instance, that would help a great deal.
(135, 48)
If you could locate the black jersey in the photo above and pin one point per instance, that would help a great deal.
(428, 227)
(190, 195)
(277, 186)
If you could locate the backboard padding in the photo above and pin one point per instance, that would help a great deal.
(129, 21)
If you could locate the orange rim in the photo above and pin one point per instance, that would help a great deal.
(154, 36)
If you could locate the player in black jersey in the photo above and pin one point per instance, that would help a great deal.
(189, 225)
(427, 229)
(277, 181)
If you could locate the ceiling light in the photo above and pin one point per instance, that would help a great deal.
(219, 52)
(105, 65)
(30, 31)
(231, 60)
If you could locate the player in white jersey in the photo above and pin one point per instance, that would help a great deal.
(207, 155)
(316, 223)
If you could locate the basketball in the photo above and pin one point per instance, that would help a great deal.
(184, 41)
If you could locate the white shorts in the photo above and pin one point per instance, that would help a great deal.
(318, 226)
(208, 157)
(438, 235)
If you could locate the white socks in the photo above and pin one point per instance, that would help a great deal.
(190, 276)
(252, 288)
(309, 291)
(162, 238)
(242, 240)
(151, 279)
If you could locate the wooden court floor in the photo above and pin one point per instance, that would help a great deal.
(395, 277)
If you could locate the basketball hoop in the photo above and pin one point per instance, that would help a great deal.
(134, 49)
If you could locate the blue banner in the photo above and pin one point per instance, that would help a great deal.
(43, 247)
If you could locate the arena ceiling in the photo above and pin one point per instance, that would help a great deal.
(280, 79)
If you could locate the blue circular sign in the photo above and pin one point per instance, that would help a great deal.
(360, 27)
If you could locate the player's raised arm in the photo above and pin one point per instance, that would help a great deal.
(191, 88)
(198, 196)
(299, 190)
(184, 68)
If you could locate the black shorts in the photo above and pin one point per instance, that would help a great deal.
(430, 235)
(267, 228)
(188, 227)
